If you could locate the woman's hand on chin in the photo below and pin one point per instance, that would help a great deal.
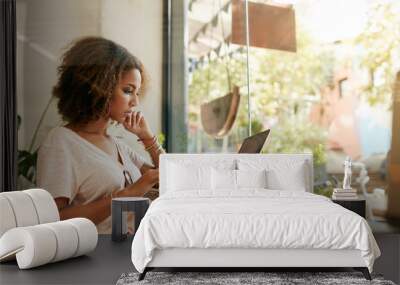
(136, 124)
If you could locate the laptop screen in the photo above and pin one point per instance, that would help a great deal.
(254, 143)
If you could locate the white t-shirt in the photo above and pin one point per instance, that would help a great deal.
(72, 167)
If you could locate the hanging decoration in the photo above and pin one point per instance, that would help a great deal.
(218, 115)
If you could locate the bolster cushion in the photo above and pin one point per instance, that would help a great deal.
(26, 208)
(40, 244)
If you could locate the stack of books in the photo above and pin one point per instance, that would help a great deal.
(344, 194)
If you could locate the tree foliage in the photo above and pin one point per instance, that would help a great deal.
(281, 83)
(379, 46)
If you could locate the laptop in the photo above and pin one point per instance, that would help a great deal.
(254, 143)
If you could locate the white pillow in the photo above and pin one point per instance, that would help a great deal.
(282, 174)
(292, 180)
(237, 179)
(223, 179)
(251, 178)
(182, 177)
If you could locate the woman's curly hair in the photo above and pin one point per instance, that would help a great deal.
(88, 75)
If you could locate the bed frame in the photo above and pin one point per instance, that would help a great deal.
(242, 259)
(246, 258)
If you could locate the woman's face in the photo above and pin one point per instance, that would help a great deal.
(126, 95)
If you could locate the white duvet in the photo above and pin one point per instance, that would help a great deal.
(250, 218)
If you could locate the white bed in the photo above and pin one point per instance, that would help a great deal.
(199, 224)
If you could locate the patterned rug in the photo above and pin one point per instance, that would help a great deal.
(273, 278)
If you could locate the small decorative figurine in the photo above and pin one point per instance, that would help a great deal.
(347, 174)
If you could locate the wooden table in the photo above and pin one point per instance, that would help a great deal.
(357, 205)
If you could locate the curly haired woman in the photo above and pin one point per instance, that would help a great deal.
(80, 164)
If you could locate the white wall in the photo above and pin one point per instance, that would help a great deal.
(45, 27)
(137, 25)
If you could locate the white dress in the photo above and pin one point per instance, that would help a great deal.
(72, 167)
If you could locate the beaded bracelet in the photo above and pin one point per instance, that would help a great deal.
(153, 145)
(159, 148)
(153, 138)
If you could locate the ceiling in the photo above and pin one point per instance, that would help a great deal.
(209, 23)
